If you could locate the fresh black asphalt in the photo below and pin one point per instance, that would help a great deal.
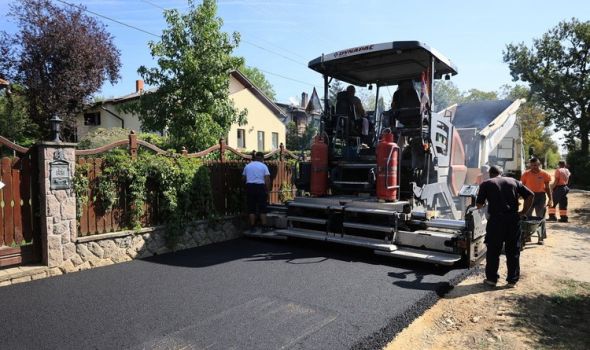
(240, 294)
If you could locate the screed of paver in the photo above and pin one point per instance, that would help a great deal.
(261, 323)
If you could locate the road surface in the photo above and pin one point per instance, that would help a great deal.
(240, 294)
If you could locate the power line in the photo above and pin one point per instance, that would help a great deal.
(108, 18)
(155, 5)
(247, 41)
(274, 52)
(155, 35)
(285, 77)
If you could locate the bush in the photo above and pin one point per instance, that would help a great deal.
(180, 185)
(579, 166)
(101, 137)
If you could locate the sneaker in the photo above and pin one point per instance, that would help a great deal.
(563, 219)
(510, 284)
(489, 283)
(551, 218)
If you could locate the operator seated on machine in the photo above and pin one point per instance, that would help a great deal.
(405, 105)
(351, 106)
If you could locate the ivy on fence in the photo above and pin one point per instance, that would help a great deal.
(180, 184)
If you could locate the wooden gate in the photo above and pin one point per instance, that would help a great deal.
(19, 229)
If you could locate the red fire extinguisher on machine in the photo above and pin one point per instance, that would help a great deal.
(319, 167)
(387, 185)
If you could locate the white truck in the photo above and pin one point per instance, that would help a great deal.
(491, 135)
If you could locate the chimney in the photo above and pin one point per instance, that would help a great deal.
(139, 85)
(304, 100)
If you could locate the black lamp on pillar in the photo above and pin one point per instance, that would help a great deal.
(55, 122)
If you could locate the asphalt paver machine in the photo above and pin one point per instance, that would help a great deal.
(390, 180)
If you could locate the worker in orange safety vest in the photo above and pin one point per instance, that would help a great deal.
(560, 191)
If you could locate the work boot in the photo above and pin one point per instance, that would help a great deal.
(552, 218)
(563, 219)
(489, 283)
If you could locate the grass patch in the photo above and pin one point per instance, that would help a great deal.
(560, 320)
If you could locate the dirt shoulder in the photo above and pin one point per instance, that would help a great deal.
(549, 308)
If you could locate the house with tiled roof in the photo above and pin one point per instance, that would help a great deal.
(264, 130)
(305, 113)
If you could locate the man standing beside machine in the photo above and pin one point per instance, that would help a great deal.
(537, 180)
(560, 191)
(501, 195)
(257, 179)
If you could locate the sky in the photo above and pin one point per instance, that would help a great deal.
(280, 37)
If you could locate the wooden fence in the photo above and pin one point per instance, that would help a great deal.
(226, 182)
(18, 228)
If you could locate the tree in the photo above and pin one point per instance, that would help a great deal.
(259, 79)
(473, 95)
(532, 119)
(335, 87)
(15, 123)
(297, 140)
(194, 61)
(446, 93)
(59, 56)
(557, 67)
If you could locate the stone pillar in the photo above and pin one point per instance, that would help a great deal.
(58, 202)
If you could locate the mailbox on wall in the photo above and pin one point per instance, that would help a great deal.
(60, 178)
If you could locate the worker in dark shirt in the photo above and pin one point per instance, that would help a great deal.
(501, 195)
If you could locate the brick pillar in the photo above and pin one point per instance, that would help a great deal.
(57, 206)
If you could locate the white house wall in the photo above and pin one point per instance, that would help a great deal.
(107, 120)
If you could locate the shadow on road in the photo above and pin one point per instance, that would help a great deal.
(292, 251)
(418, 280)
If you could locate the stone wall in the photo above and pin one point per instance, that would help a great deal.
(111, 248)
(64, 250)
(57, 206)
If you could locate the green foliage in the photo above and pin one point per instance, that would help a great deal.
(552, 158)
(181, 185)
(335, 87)
(81, 187)
(101, 137)
(297, 140)
(446, 94)
(192, 78)
(579, 165)
(161, 141)
(259, 79)
(286, 192)
(473, 95)
(15, 123)
(120, 171)
(557, 67)
(60, 56)
(531, 116)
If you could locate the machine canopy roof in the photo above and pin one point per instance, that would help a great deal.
(382, 64)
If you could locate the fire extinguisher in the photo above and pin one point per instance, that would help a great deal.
(319, 166)
(387, 185)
